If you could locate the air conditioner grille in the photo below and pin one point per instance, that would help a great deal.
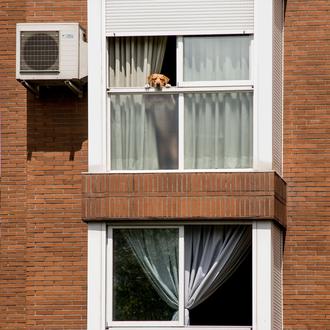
(39, 51)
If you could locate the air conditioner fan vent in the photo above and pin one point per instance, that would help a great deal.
(39, 51)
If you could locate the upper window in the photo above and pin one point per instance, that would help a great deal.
(176, 276)
(203, 121)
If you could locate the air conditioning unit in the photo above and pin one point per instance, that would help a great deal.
(51, 54)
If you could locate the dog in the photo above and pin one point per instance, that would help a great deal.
(161, 109)
(158, 81)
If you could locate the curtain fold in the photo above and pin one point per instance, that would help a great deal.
(212, 255)
(133, 132)
(157, 252)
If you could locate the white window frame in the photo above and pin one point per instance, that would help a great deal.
(155, 324)
(262, 278)
(262, 77)
(182, 88)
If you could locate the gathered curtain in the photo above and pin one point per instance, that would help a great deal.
(212, 255)
(157, 253)
(133, 135)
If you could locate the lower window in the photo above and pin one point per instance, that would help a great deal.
(180, 275)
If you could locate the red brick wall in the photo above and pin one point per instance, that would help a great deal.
(307, 165)
(13, 176)
(43, 243)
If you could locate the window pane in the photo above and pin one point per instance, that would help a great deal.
(133, 59)
(218, 130)
(144, 132)
(216, 58)
(145, 274)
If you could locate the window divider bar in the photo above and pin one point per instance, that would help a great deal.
(181, 277)
(179, 59)
(108, 135)
(109, 285)
(181, 132)
(176, 90)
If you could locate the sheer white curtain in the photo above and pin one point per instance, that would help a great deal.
(218, 130)
(132, 59)
(157, 253)
(216, 58)
(212, 255)
(133, 137)
(218, 126)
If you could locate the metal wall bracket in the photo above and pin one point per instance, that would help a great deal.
(74, 88)
(34, 89)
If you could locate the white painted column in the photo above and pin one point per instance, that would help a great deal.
(96, 87)
(262, 275)
(263, 76)
(96, 276)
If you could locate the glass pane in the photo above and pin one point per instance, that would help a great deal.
(218, 130)
(144, 132)
(224, 250)
(216, 58)
(145, 274)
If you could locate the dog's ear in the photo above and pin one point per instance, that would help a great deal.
(166, 80)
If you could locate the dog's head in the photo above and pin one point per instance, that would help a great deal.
(158, 80)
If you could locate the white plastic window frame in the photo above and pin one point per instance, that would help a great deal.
(262, 278)
(181, 88)
(120, 325)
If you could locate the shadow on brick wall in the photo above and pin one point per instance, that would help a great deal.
(56, 121)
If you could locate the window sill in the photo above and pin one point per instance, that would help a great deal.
(184, 171)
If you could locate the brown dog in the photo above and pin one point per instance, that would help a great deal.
(158, 81)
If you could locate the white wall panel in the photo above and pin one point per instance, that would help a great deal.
(277, 279)
(277, 86)
(175, 17)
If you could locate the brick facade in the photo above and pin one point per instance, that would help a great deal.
(43, 242)
(306, 165)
